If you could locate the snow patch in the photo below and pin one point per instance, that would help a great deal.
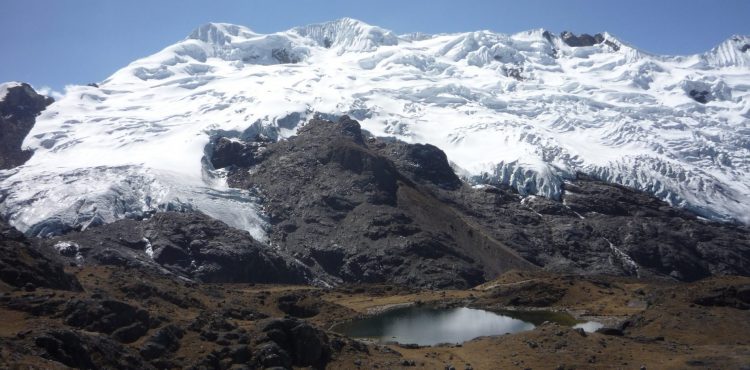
(70, 249)
(624, 260)
(149, 249)
(589, 326)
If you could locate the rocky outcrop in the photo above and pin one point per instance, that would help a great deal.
(728, 296)
(290, 342)
(298, 305)
(18, 111)
(601, 228)
(583, 39)
(124, 322)
(165, 340)
(357, 209)
(701, 96)
(226, 152)
(23, 265)
(186, 244)
(81, 350)
(425, 163)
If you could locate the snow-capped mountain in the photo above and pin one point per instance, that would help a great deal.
(529, 110)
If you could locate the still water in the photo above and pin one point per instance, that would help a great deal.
(427, 326)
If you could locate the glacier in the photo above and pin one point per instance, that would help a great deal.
(525, 110)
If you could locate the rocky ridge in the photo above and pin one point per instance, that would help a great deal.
(18, 110)
(356, 208)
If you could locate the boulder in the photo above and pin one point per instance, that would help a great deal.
(293, 339)
(165, 340)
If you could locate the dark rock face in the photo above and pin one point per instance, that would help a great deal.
(364, 210)
(187, 244)
(583, 39)
(547, 36)
(22, 263)
(663, 239)
(430, 164)
(611, 44)
(700, 96)
(514, 73)
(18, 112)
(360, 209)
(607, 229)
(226, 152)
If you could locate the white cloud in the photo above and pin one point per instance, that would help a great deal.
(48, 91)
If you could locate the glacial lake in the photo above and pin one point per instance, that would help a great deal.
(426, 326)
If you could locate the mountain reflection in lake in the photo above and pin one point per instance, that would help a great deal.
(428, 326)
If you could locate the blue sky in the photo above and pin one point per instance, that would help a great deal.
(55, 43)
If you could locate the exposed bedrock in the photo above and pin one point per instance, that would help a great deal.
(24, 265)
(18, 111)
(354, 208)
(190, 245)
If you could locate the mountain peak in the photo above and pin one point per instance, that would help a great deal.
(220, 33)
(732, 52)
(350, 21)
(347, 34)
(739, 39)
(738, 42)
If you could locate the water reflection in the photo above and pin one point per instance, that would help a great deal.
(428, 326)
